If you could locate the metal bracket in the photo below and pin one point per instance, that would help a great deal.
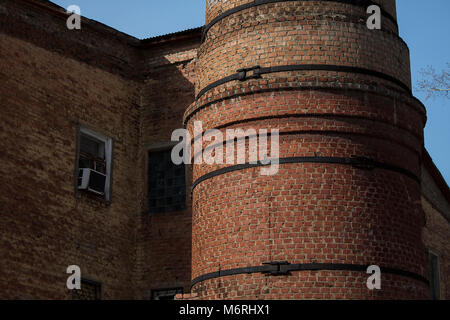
(243, 73)
(277, 268)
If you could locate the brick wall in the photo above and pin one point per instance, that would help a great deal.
(168, 89)
(217, 7)
(138, 92)
(44, 226)
(54, 80)
(309, 213)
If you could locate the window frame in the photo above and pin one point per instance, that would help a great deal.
(109, 144)
(435, 288)
(91, 157)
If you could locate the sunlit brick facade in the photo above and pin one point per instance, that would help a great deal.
(355, 185)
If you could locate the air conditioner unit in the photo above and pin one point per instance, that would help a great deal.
(92, 181)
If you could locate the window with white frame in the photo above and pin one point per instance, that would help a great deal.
(94, 163)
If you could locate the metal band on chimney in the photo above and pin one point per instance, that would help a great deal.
(360, 3)
(256, 72)
(357, 162)
(418, 104)
(285, 268)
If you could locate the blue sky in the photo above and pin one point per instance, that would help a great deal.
(424, 25)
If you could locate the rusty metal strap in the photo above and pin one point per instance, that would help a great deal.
(359, 3)
(356, 162)
(284, 268)
(256, 72)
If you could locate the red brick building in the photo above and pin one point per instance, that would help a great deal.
(355, 186)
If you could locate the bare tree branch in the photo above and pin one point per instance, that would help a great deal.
(434, 84)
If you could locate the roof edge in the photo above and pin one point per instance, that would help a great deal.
(192, 33)
(60, 12)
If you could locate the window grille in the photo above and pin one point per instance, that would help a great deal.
(167, 185)
(166, 294)
(90, 290)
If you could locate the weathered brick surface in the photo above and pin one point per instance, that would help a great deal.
(133, 91)
(315, 285)
(138, 92)
(44, 227)
(216, 7)
(309, 213)
(289, 33)
(165, 243)
(44, 24)
(378, 123)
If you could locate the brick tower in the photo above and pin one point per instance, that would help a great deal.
(347, 194)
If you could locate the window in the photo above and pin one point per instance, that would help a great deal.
(94, 163)
(166, 183)
(166, 294)
(434, 277)
(90, 290)
(92, 153)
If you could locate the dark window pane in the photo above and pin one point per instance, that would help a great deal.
(166, 294)
(92, 146)
(100, 166)
(90, 290)
(166, 183)
(434, 277)
(85, 162)
(92, 154)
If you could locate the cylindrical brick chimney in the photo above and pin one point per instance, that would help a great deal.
(347, 193)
